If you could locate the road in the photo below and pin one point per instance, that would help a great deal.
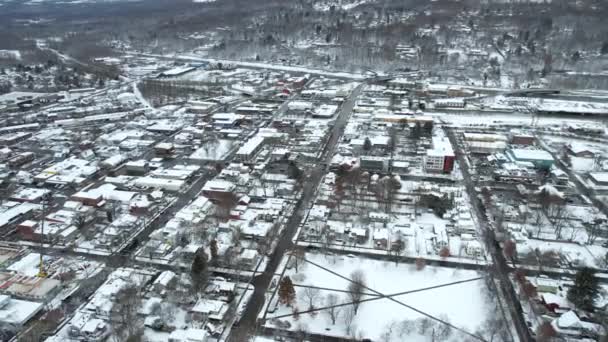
(249, 320)
(498, 259)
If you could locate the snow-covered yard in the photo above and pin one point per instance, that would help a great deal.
(581, 255)
(467, 310)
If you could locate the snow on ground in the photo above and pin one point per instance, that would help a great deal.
(17, 95)
(466, 118)
(212, 76)
(269, 66)
(177, 319)
(466, 310)
(216, 151)
(581, 164)
(586, 255)
(140, 97)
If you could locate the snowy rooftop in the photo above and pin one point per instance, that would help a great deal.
(533, 154)
(30, 194)
(9, 214)
(17, 312)
(250, 145)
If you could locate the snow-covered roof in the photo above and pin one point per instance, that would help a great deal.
(381, 234)
(188, 335)
(531, 154)
(12, 213)
(30, 194)
(250, 145)
(550, 190)
(325, 110)
(578, 147)
(599, 177)
(569, 320)
(17, 312)
(550, 298)
(218, 185)
(213, 308)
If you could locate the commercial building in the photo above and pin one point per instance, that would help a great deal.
(250, 149)
(441, 157)
(217, 188)
(141, 166)
(450, 103)
(164, 149)
(14, 312)
(21, 159)
(373, 163)
(13, 138)
(540, 158)
(522, 139)
(226, 120)
(13, 212)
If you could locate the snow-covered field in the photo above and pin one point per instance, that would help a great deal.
(466, 310)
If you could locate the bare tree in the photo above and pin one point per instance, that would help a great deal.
(510, 250)
(558, 219)
(423, 324)
(593, 228)
(332, 311)
(224, 204)
(398, 247)
(356, 287)
(237, 233)
(349, 319)
(440, 330)
(538, 222)
(299, 254)
(167, 312)
(312, 294)
(124, 314)
(326, 240)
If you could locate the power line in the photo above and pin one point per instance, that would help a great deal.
(375, 296)
(401, 303)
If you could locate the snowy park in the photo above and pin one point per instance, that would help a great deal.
(398, 300)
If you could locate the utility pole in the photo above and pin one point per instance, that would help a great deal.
(41, 271)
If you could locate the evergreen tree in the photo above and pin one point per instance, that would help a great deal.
(287, 293)
(428, 128)
(213, 248)
(199, 271)
(367, 144)
(416, 130)
(585, 290)
(293, 171)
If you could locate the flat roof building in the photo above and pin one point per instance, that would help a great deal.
(540, 158)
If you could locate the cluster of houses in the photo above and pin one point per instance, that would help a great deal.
(193, 318)
(567, 321)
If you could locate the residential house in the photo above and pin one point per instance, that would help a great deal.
(209, 309)
(380, 238)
